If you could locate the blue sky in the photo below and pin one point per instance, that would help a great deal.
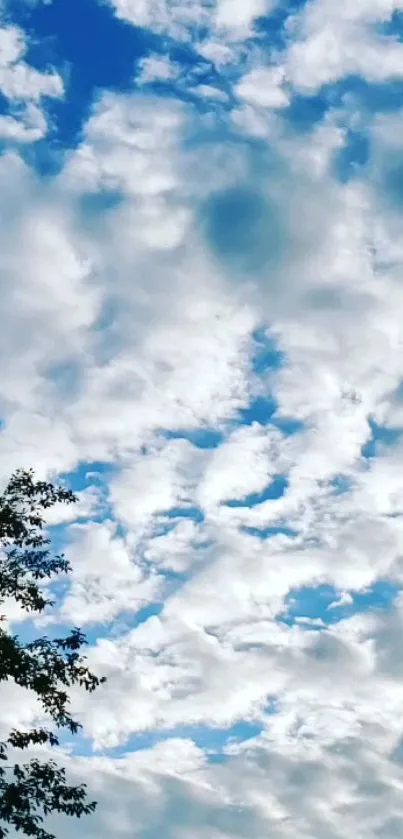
(201, 334)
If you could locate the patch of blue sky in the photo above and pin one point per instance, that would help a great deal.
(340, 484)
(381, 595)
(314, 603)
(304, 112)
(274, 490)
(310, 602)
(5, 106)
(271, 30)
(369, 97)
(353, 157)
(26, 630)
(203, 437)
(266, 355)
(266, 360)
(268, 532)
(393, 27)
(88, 473)
(189, 512)
(381, 437)
(90, 47)
(263, 410)
(212, 740)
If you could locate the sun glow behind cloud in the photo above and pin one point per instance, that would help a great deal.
(201, 332)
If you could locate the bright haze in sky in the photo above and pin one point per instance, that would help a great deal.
(201, 332)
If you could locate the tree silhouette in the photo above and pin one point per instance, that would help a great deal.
(49, 667)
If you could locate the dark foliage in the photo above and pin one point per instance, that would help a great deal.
(49, 667)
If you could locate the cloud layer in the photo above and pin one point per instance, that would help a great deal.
(201, 332)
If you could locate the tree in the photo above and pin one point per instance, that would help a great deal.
(31, 791)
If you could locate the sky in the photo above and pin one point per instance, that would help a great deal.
(201, 333)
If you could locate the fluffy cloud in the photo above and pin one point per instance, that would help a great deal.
(263, 87)
(179, 16)
(337, 41)
(24, 87)
(339, 734)
(18, 80)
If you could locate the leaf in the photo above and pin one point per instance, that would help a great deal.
(46, 666)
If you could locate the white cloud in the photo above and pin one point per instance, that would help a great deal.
(31, 126)
(326, 41)
(207, 91)
(259, 451)
(155, 68)
(106, 580)
(24, 87)
(337, 730)
(263, 87)
(216, 51)
(333, 41)
(178, 17)
(236, 17)
(122, 148)
(173, 16)
(156, 483)
(170, 787)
